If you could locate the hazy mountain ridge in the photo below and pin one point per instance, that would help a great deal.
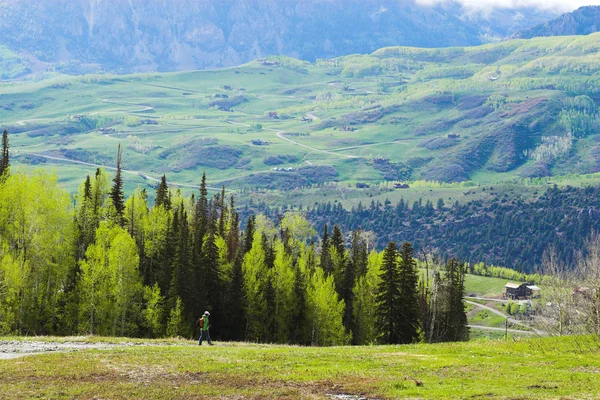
(139, 35)
(583, 21)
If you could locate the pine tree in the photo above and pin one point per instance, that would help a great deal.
(117, 195)
(388, 294)
(359, 255)
(212, 281)
(326, 253)
(223, 214)
(236, 302)
(337, 240)
(458, 329)
(409, 311)
(249, 234)
(163, 197)
(4, 162)
(300, 316)
(233, 236)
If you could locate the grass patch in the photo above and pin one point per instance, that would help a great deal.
(570, 365)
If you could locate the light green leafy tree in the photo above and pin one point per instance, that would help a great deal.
(36, 249)
(325, 311)
(111, 287)
(255, 282)
(365, 306)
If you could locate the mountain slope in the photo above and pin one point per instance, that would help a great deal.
(148, 35)
(583, 21)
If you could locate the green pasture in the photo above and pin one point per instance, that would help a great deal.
(549, 368)
(399, 104)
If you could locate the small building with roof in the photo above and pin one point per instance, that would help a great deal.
(521, 291)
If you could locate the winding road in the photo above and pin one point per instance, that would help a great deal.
(511, 320)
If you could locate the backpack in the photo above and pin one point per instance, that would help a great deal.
(201, 322)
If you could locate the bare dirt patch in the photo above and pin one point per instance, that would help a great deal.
(15, 348)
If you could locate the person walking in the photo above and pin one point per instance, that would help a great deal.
(204, 325)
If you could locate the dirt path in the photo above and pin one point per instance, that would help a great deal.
(15, 348)
(141, 174)
(491, 328)
(500, 313)
(280, 135)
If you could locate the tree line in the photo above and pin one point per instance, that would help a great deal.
(111, 265)
(503, 230)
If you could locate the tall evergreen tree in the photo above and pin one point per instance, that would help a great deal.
(4, 162)
(223, 214)
(233, 236)
(163, 197)
(359, 255)
(409, 310)
(388, 294)
(326, 253)
(212, 287)
(116, 194)
(299, 330)
(337, 240)
(249, 234)
(456, 318)
(236, 302)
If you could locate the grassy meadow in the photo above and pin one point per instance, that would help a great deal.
(549, 368)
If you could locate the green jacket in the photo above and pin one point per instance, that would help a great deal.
(205, 328)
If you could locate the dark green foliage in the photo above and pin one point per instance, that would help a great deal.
(203, 152)
(408, 301)
(163, 196)
(325, 261)
(249, 234)
(393, 171)
(4, 162)
(280, 159)
(500, 231)
(213, 286)
(228, 102)
(235, 303)
(388, 294)
(117, 195)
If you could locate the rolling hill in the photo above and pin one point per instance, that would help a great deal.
(515, 110)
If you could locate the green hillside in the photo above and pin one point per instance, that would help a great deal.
(518, 109)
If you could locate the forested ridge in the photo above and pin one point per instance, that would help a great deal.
(506, 230)
(111, 265)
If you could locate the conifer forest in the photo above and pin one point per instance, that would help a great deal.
(105, 264)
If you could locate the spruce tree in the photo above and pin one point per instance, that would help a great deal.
(409, 311)
(236, 302)
(223, 214)
(326, 253)
(163, 197)
(116, 194)
(4, 162)
(458, 329)
(249, 234)
(337, 240)
(387, 297)
(299, 329)
(233, 235)
(359, 255)
(212, 288)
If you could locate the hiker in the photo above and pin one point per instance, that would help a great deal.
(204, 325)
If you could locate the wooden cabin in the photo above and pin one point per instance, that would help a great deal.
(521, 291)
